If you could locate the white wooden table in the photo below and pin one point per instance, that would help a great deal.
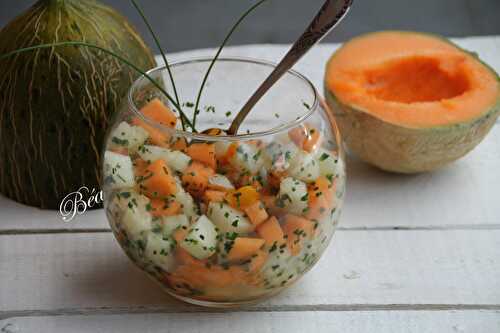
(413, 254)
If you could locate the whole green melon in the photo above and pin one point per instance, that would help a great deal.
(55, 104)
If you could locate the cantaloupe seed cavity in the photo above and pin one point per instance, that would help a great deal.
(416, 79)
(410, 102)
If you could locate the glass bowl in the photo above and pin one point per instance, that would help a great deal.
(223, 220)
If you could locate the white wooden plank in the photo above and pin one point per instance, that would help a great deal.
(362, 270)
(15, 217)
(290, 322)
(462, 194)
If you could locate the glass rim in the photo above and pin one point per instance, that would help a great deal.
(205, 137)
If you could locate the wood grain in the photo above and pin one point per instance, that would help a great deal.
(291, 322)
(362, 270)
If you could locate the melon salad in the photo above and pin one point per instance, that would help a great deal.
(220, 220)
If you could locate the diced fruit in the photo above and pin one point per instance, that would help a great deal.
(228, 219)
(213, 196)
(321, 199)
(184, 258)
(176, 160)
(179, 234)
(246, 158)
(263, 207)
(306, 137)
(157, 180)
(220, 183)
(178, 144)
(329, 165)
(139, 166)
(244, 247)
(157, 111)
(172, 223)
(164, 207)
(129, 137)
(156, 136)
(243, 197)
(304, 167)
(159, 250)
(293, 196)
(221, 148)
(280, 156)
(274, 178)
(256, 213)
(160, 113)
(136, 218)
(271, 203)
(278, 271)
(118, 171)
(257, 261)
(201, 240)
(203, 153)
(195, 178)
(297, 231)
(271, 232)
(189, 207)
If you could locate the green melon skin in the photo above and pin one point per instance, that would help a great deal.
(56, 104)
(406, 150)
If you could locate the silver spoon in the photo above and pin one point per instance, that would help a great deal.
(332, 12)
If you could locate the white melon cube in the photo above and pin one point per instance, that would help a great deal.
(135, 219)
(175, 159)
(248, 158)
(293, 195)
(201, 240)
(118, 171)
(228, 219)
(329, 163)
(220, 181)
(280, 156)
(160, 251)
(127, 136)
(304, 166)
(277, 271)
(189, 207)
(172, 223)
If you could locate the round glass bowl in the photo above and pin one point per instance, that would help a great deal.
(223, 220)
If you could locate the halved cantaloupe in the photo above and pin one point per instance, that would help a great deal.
(410, 102)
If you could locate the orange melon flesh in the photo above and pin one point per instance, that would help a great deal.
(410, 79)
(410, 102)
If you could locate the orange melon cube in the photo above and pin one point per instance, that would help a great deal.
(305, 137)
(256, 212)
(271, 232)
(195, 178)
(297, 229)
(244, 248)
(204, 153)
(157, 180)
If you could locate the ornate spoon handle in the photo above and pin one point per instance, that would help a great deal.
(328, 17)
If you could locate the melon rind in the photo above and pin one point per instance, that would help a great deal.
(401, 149)
(56, 104)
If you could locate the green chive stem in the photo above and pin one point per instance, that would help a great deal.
(165, 60)
(226, 39)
